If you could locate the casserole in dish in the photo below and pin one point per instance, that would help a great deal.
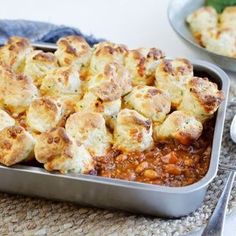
(115, 193)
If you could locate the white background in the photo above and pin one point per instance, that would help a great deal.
(133, 22)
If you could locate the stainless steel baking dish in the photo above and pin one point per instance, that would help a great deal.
(177, 13)
(120, 194)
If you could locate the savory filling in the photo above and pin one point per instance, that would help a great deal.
(105, 110)
(170, 164)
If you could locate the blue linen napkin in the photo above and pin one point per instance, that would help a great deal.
(39, 31)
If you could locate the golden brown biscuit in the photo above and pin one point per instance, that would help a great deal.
(17, 91)
(106, 53)
(172, 76)
(44, 114)
(58, 152)
(38, 64)
(112, 83)
(89, 129)
(201, 98)
(16, 145)
(62, 81)
(220, 41)
(73, 50)
(14, 53)
(5, 120)
(68, 102)
(91, 102)
(151, 102)
(216, 34)
(202, 20)
(228, 18)
(133, 132)
(142, 63)
(180, 126)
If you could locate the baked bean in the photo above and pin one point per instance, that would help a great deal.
(188, 162)
(170, 158)
(121, 158)
(141, 167)
(150, 174)
(172, 169)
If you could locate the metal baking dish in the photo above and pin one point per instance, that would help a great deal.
(120, 194)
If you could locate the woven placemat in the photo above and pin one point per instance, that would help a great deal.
(29, 216)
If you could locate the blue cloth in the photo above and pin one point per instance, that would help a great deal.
(39, 31)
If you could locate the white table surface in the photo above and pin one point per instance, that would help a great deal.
(135, 23)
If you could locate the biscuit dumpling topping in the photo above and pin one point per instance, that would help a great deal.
(142, 63)
(16, 145)
(150, 101)
(57, 151)
(90, 102)
(44, 114)
(17, 91)
(201, 20)
(73, 50)
(89, 129)
(172, 77)
(112, 83)
(133, 132)
(220, 41)
(38, 64)
(14, 53)
(5, 120)
(62, 81)
(228, 18)
(106, 53)
(215, 32)
(179, 126)
(201, 98)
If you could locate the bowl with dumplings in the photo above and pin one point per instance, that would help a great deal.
(109, 126)
(205, 30)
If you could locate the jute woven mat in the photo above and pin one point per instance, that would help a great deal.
(29, 216)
